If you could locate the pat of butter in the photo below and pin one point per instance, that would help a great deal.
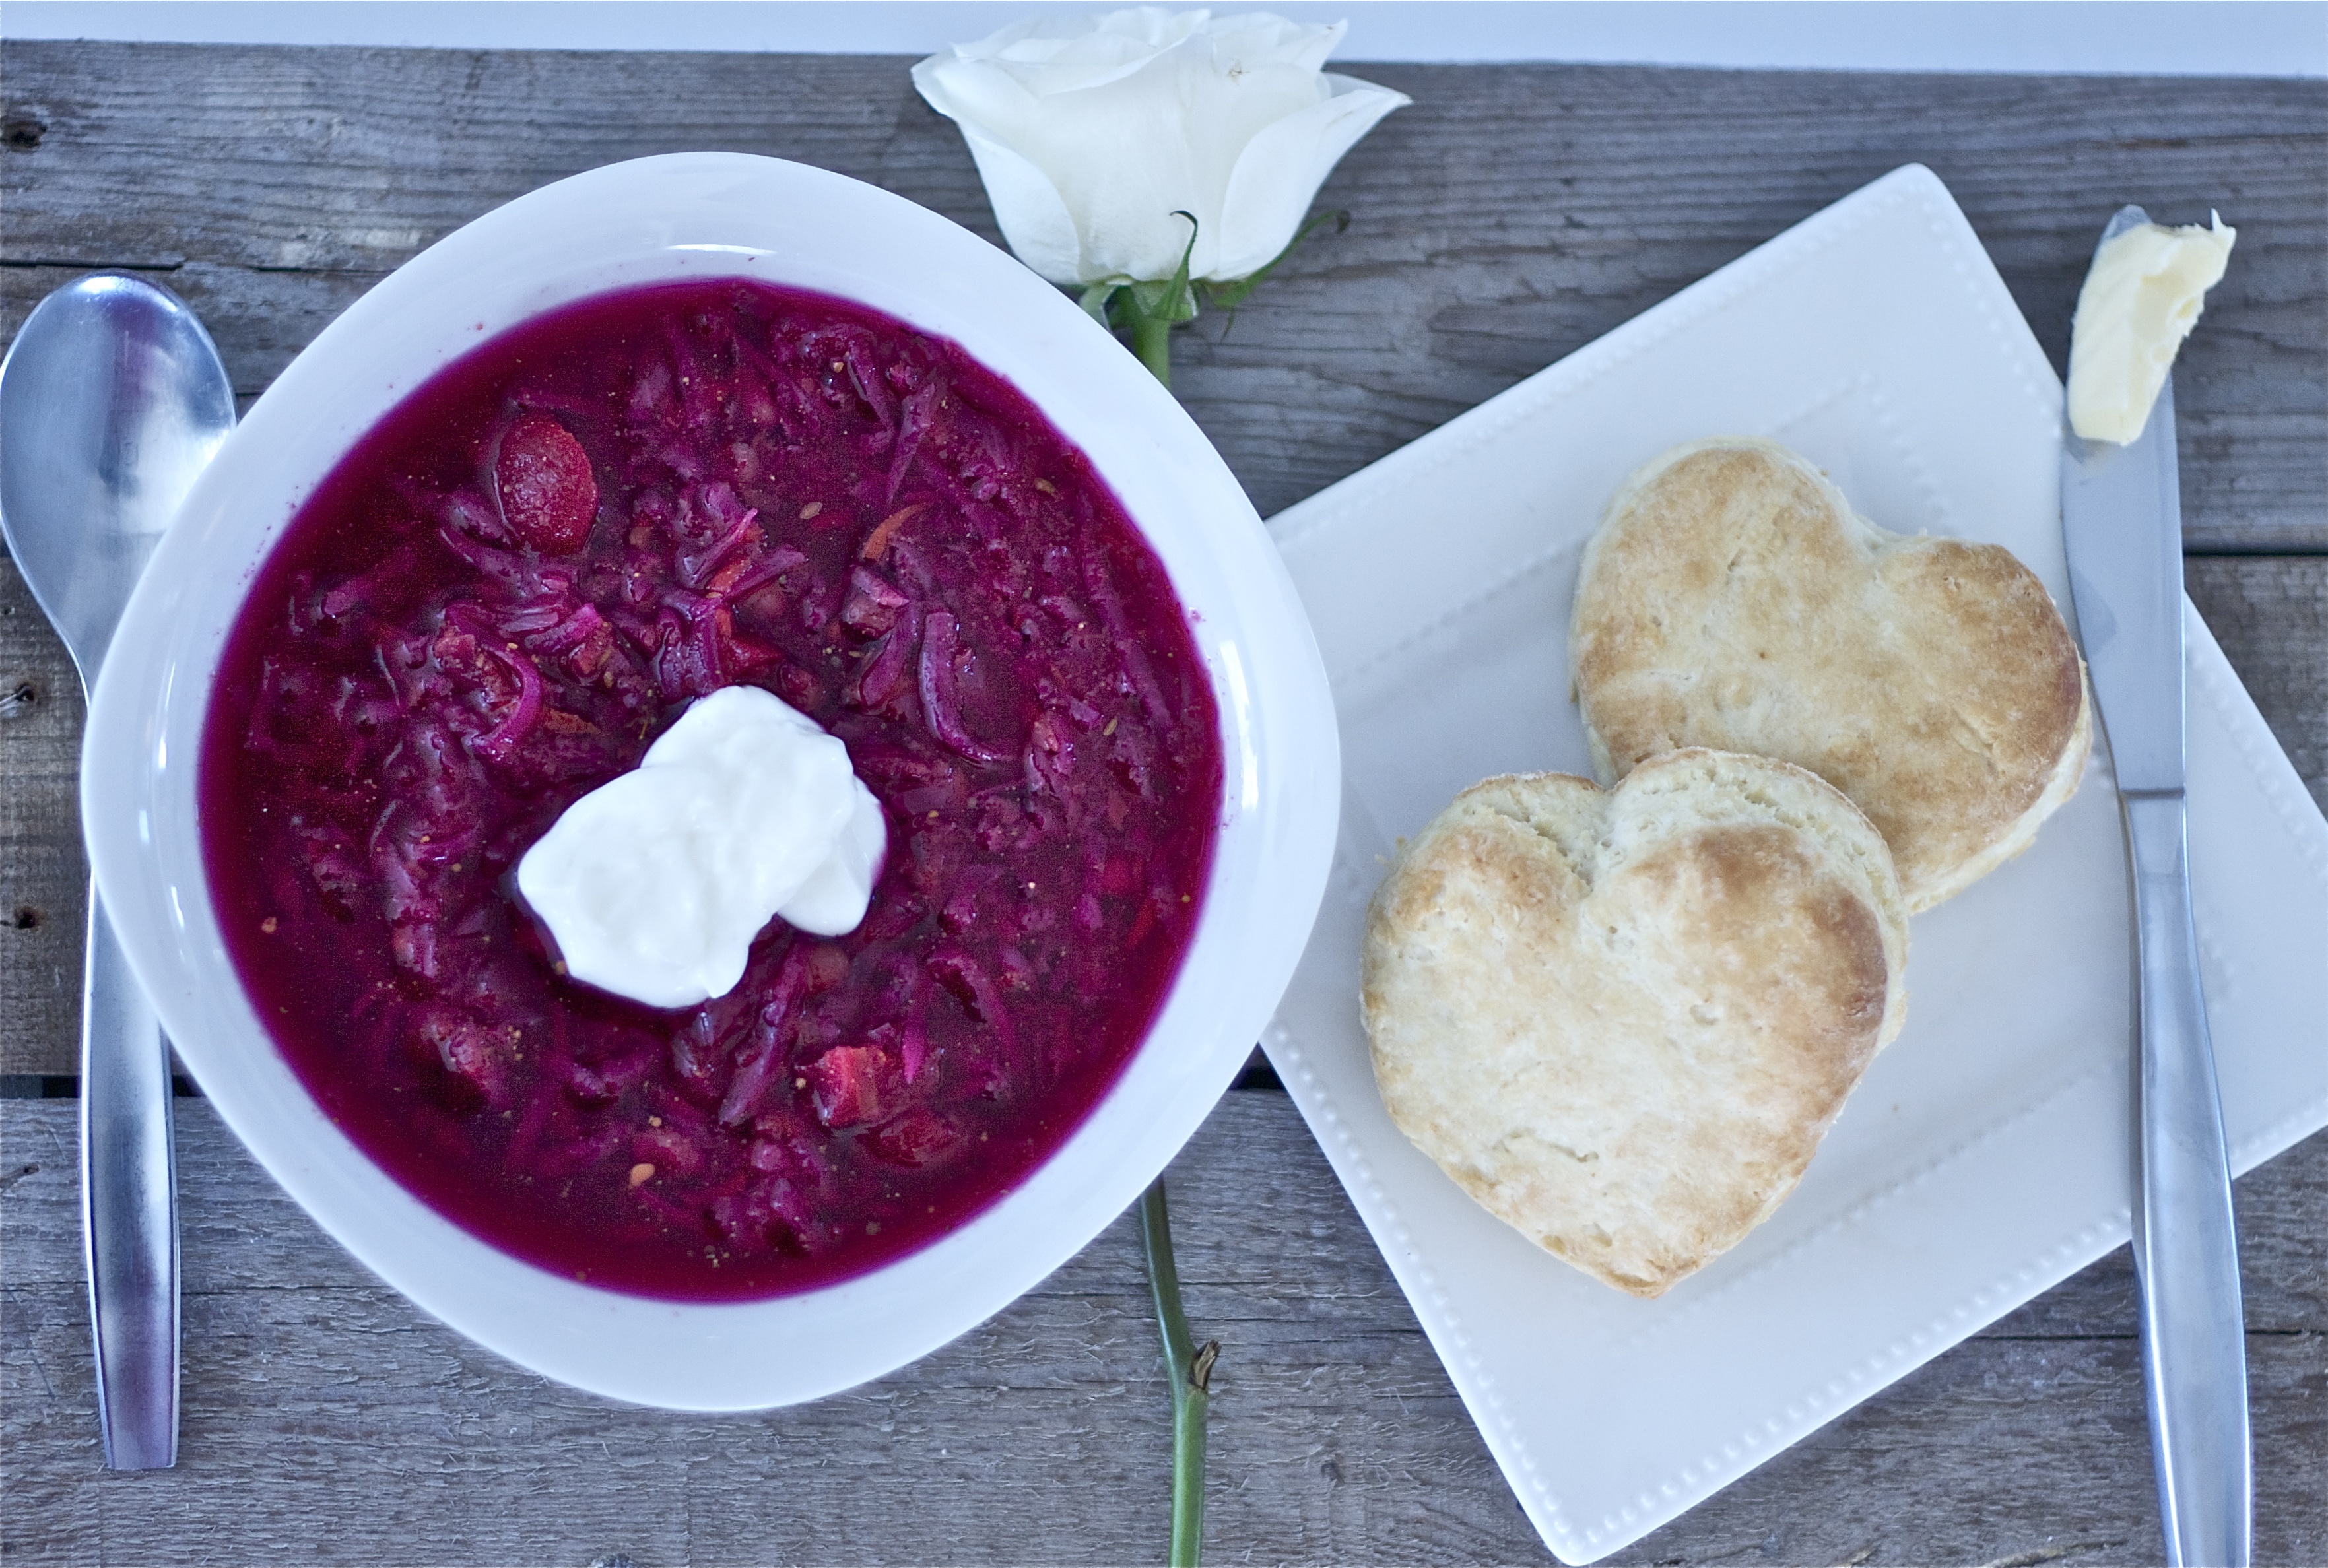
(2139, 304)
(655, 883)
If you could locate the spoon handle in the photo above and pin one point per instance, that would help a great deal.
(129, 1209)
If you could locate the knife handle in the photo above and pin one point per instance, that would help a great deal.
(129, 1209)
(2185, 1252)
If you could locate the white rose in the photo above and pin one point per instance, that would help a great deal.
(1090, 132)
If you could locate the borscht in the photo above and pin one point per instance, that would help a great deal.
(527, 572)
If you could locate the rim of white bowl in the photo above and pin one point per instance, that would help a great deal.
(719, 214)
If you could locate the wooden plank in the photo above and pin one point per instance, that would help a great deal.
(1512, 215)
(271, 187)
(44, 878)
(327, 1420)
(2271, 617)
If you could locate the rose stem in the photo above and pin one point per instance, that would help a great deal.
(1191, 1372)
(1151, 340)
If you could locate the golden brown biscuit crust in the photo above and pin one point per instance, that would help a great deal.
(1623, 1022)
(1732, 599)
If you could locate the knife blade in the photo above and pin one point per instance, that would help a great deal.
(2122, 524)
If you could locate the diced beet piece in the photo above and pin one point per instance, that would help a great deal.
(845, 1084)
(873, 603)
(547, 492)
(915, 1139)
(742, 657)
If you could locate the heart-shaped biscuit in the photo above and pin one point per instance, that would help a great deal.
(1732, 599)
(1623, 1021)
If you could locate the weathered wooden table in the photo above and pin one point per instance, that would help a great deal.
(1512, 215)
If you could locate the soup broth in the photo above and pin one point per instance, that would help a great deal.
(525, 573)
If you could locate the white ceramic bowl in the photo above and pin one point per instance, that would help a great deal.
(695, 215)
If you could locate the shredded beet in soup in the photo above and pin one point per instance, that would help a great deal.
(516, 581)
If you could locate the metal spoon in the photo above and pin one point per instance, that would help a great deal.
(112, 399)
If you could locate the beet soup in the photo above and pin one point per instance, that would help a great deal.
(520, 578)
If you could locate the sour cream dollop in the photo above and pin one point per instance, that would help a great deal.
(2140, 301)
(655, 883)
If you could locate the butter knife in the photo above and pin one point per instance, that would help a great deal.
(2122, 521)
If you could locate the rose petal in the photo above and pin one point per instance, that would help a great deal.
(1031, 212)
(1282, 166)
(1091, 135)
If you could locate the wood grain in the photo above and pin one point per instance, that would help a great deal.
(1512, 215)
(44, 878)
(1509, 216)
(2271, 617)
(327, 1420)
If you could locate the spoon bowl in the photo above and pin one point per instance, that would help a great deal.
(112, 399)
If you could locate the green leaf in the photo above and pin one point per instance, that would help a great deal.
(1097, 298)
(1162, 299)
(1179, 301)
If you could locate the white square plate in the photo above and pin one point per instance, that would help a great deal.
(1986, 1155)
